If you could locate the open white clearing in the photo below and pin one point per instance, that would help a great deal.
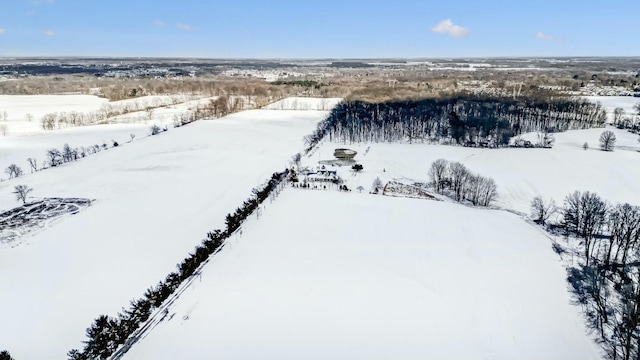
(18, 108)
(520, 174)
(611, 102)
(303, 103)
(321, 274)
(156, 198)
(329, 275)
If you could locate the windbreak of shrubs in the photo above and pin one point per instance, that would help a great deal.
(107, 334)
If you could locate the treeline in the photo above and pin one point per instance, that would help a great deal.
(606, 281)
(454, 179)
(107, 334)
(471, 120)
(259, 91)
(145, 110)
(302, 83)
(56, 157)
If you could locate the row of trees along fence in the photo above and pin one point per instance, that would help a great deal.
(456, 120)
(606, 279)
(107, 334)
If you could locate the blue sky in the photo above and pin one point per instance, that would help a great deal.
(319, 29)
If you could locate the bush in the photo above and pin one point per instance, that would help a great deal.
(155, 129)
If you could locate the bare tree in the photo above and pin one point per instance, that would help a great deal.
(488, 191)
(3, 129)
(541, 210)
(49, 121)
(546, 139)
(296, 160)
(13, 171)
(607, 140)
(624, 227)
(33, 163)
(67, 153)
(586, 145)
(21, 192)
(584, 215)
(618, 113)
(29, 117)
(55, 157)
(459, 178)
(438, 174)
(473, 190)
(377, 185)
(149, 112)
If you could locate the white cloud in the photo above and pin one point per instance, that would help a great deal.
(1, 31)
(30, 13)
(159, 23)
(544, 37)
(47, 32)
(184, 27)
(448, 27)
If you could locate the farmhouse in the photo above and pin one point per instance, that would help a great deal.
(323, 175)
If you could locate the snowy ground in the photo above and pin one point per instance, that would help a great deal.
(378, 277)
(16, 149)
(26, 139)
(302, 103)
(520, 174)
(329, 275)
(16, 224)
(612, 102)
(18, 106)
(322, 274)
(156, 199)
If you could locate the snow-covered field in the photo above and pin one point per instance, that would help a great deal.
(156, 198)
(612, 102)
(26, 139)
(303, 103)
(329, 275)
(18, 106)
(322, 274)
(520, 174)
(16, 149)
